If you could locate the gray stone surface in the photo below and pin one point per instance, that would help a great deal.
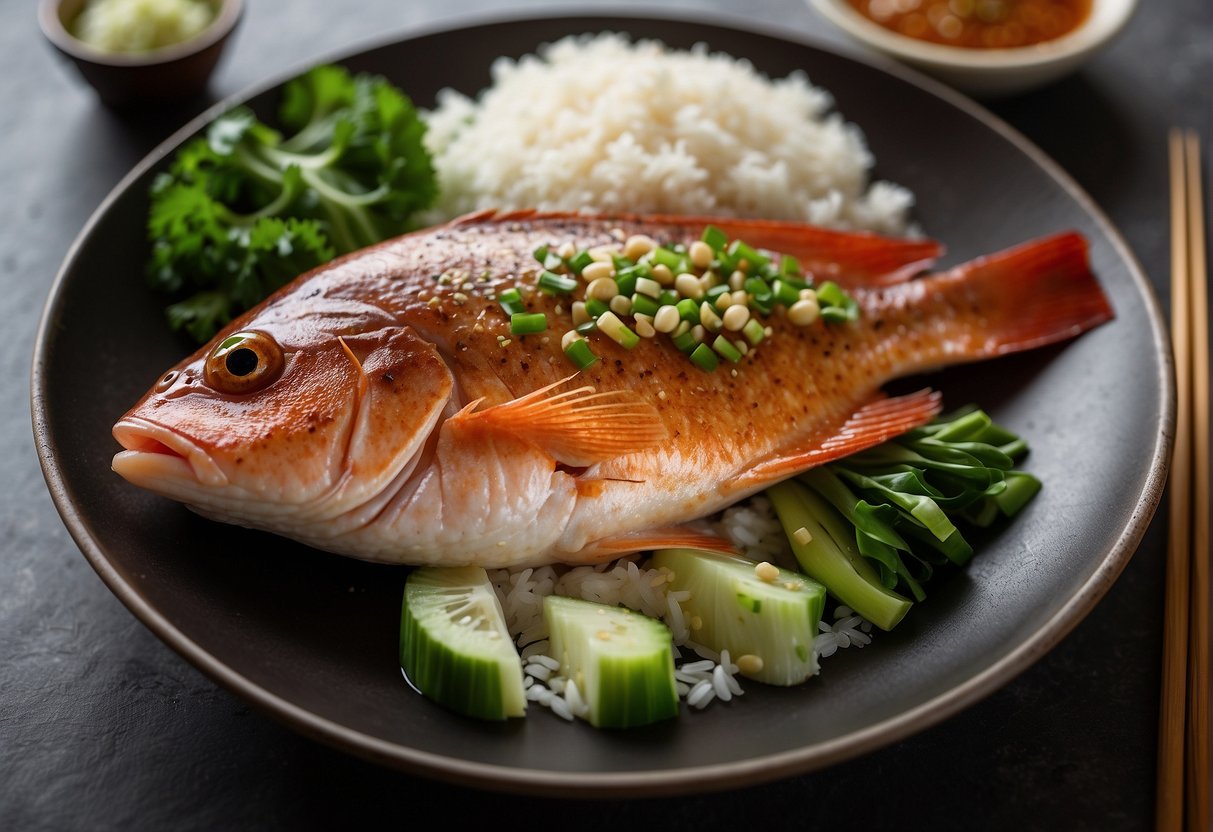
(103, 727)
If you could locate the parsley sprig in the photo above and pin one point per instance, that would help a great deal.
(244, 210)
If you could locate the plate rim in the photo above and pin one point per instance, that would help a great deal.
(680, 781)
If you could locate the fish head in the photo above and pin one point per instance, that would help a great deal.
(281, 416)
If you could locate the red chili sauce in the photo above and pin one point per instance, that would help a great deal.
(978, 24)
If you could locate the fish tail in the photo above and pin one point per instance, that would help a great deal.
(1034, 294)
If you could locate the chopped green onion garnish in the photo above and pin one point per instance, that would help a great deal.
(785, 292)
(541, 254)
(740, 251)
(579, 261)
(511, 301)
(580, 354)
(648, 286)
(685, 342)
(753, 332)
(668, 297)
(789, 265)
(831, 294)
(757, 286)
(554, 284)
(644, 305)
(626, 279)
(596, 307)
(726, 350)
(765, 305)
(688, 310)
(621, 262)
(677, 263)
(615, 329)
(704, 358)
(714, 237)
(712, 295)
(527, 323)
(586, 328)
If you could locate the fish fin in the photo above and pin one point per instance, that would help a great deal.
(1028, 296)
(850, 258)
(878, 420)
(577, 427)
(609, 548)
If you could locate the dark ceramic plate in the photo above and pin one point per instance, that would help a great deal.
(311, 638)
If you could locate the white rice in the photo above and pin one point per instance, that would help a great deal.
(601, 123)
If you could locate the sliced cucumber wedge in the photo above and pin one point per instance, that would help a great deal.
(454, 645)
(764, 616)
(622, 661)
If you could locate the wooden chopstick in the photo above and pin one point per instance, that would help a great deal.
(1183, 746)
(1197, 779)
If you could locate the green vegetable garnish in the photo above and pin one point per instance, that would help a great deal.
(580, 354)
(245, 209)
(511, 301)
(704, 358)
(890, 514)
(528, 323)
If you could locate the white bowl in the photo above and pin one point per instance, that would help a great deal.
(988, 73)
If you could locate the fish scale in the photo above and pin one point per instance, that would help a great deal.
(403, 422)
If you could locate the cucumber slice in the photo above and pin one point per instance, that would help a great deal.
(454, 644)
(732, 607)
(622, 661)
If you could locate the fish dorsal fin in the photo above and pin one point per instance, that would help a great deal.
(852, 258)
(576, 427)
(878, 420)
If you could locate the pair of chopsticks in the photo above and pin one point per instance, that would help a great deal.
(1183, 747)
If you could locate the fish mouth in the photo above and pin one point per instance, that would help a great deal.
(154, 453)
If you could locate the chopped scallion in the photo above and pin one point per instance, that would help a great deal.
(714, 237)
(580, 354)
(541, 254)
(554, 284)
(644, 305)
(785, 292)
(703, 358)
(528, 323)
(511, 301)
(579, 261)
(615, 329)
(726, 350)
(596, 308)
(668, 297)
(738, 250)
(688, 310)
(685, 342)
(753, 332)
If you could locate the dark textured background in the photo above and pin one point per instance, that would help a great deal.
(102, 727)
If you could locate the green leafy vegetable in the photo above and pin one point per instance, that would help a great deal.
(877, 523)
(243, 210)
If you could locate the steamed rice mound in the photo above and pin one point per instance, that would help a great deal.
(604, 124)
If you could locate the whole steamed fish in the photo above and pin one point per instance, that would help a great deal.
(380, 407)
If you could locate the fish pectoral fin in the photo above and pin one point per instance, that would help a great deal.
(609, 548)
(576, 427)
(878, 420)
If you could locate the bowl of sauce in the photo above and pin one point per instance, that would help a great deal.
(987, 48)
(137, 52)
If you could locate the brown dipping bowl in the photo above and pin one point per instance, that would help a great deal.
(124, 79)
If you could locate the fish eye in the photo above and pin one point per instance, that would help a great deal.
(244, 363)
(166, 381)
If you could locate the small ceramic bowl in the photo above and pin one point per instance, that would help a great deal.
(129, 79)
(988, 73)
